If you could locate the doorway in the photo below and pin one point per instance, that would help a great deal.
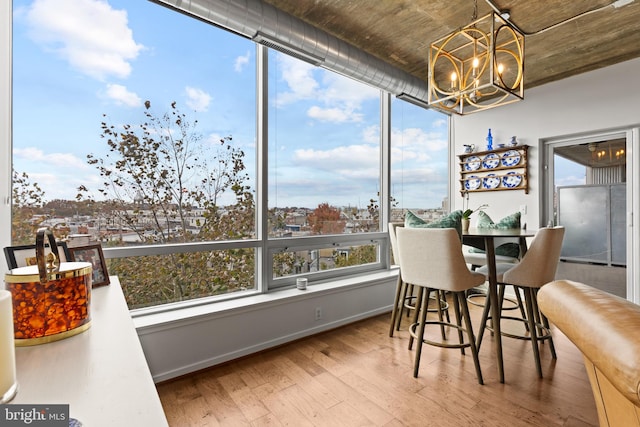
(586, 191)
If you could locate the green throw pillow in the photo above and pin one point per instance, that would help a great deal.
(453, 220)
(511, 221)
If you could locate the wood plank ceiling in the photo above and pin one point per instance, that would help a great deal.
(400, 31)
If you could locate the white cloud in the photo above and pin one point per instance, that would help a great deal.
(66, 160)
(299, 78)
(352, 161)
(569, 180)
(371, 135)
(417, 140)
(439, 123)
(337, 99)
(334, 115)
(342, 90)
(122, 96)
(241, 62)
(92, 36)
(197, 99)
(214, 139)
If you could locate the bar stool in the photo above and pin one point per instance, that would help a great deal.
(405, 298)
(537, 267)
(432, 260)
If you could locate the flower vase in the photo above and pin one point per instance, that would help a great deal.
(465, 224)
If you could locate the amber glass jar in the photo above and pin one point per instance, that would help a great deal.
(51, 311)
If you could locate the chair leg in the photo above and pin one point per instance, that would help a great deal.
(420, 326)
(416, 312)
(440, 316)
(408, 296)
(397, 307)
(443, 298)
(545, 323)
(403, 298)
(516, 291)
(501, 290)
(471, 337)
(528, 298)
(483, 322)
(456, 310)
(521, 306)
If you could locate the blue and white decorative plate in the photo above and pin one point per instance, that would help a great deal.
(511, 180)
(510, 158)
(490, 161)
(472, 163)
(472, 183)
(491, 181)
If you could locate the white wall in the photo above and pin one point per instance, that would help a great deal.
(220, 332)
(598, 100)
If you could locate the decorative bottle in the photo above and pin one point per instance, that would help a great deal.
(489, 141)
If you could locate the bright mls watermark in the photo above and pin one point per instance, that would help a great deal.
(34, 415)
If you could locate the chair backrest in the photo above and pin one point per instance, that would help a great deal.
(432, 257)
(540, 262)
(393, 238)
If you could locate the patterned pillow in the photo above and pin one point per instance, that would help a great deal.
(511, 221)
(453, 220)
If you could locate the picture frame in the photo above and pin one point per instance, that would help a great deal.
(92, 254)
(25, 255)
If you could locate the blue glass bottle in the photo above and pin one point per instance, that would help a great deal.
(489, 141)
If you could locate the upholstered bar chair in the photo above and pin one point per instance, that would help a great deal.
(432, 260)
(537, 267)
(404, 297)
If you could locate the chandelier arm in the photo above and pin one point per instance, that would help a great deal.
(519, 75)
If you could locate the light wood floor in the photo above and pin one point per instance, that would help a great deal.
(358, 376)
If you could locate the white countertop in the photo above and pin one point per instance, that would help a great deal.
(101, 373)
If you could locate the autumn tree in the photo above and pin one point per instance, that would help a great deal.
(357, 255)
(325, 219)
(26, 209)
(165, 183)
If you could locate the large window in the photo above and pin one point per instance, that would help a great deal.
(136, 126)
(419, 165)
(324, 163)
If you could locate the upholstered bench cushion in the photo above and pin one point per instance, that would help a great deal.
(480, 258)
(605, 328)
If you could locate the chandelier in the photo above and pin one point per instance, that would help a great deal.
(478, 67)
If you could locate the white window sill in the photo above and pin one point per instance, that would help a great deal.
(148, 319)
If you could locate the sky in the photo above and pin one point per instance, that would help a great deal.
(79, 61)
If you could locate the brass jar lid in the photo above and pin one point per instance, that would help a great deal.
(31, 274)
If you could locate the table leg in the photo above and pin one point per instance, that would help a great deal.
(495, 304)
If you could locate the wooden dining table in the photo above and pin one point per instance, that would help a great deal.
(485, 238)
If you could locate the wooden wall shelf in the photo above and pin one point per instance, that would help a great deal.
(501, 169)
